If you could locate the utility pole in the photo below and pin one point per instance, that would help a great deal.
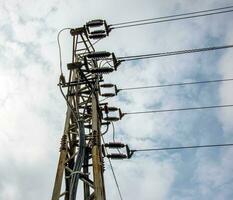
(96, 150)
(82, 154)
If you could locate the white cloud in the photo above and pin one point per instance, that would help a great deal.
(214, 176)
(225, 66)
(142, 178)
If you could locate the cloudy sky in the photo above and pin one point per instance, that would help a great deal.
(33, 111)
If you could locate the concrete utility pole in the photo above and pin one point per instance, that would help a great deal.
(96, 150)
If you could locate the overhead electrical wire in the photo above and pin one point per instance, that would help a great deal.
(183, 147)
(175, 84)
(178, 109)
(59, 47)
(172, 53)
(169, 18)
(113, 173)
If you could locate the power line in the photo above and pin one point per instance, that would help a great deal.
(183, 147)
(170, 16)
(59, 47)
(114, 176)
(178, 109)
(113, 173)
(169, 20)
(175, 84)
(172, 53)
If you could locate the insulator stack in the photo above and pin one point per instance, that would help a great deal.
(107, 110)
(98, 55)
(111, 60)
(102, 70)
(98, 32)
(97, 36)
(108, 94)
(114, 145)
(111, 119)
(117, 156)
(117, 145)
(107, 85)
(95, 23)
(97, 29)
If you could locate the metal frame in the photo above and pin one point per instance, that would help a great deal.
(80, 153)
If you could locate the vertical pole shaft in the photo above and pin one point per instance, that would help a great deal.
(96, 151)
(59, 176)
(61, 162)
